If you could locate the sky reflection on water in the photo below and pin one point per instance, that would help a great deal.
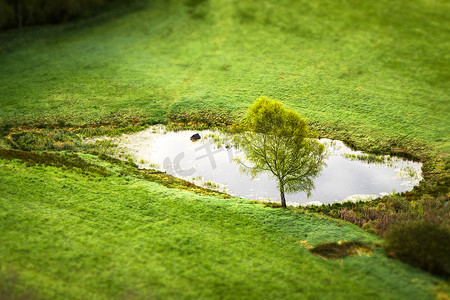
(202, 161)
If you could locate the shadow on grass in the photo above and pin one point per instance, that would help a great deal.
(341, 249)
(68, 161)
(13, 38)
(11, 287)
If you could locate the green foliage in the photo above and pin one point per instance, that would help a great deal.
(20, 13)
(278, 141)
(380, 214)
(422, 244)
(268, 116)
(6, 14)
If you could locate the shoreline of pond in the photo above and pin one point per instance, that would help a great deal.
(147, 136)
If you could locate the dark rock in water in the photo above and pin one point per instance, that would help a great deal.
(195, 137)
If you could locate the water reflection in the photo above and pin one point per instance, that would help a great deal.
(203, 163)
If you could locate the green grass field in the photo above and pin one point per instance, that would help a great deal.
(374, 73)
(68, 234)
(378, 69)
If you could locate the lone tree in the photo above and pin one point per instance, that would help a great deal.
(278, 141)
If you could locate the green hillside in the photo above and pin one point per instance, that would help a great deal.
(69, 234)
(81, 226)
(374, 67)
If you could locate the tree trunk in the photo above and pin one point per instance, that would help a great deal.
(283, 199)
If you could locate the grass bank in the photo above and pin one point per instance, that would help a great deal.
(77, 233)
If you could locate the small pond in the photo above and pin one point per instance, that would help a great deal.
(347, 176)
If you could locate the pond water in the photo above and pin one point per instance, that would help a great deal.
(346, 177)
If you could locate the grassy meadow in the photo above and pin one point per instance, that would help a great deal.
(77, 225)
(378, 70)
(68, 234)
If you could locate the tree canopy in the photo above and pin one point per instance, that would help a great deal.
(278, 141)
(20, 13)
